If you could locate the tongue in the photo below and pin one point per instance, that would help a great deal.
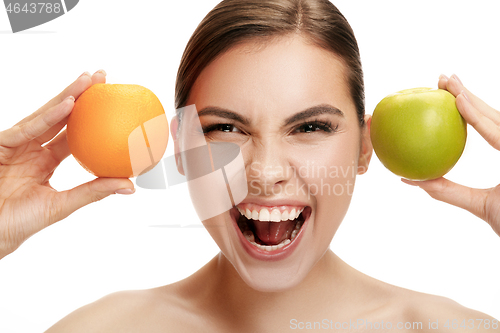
(273, 233)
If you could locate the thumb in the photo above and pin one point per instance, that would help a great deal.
(95, 190)
(442, 189)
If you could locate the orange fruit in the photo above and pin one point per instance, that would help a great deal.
(117, 130)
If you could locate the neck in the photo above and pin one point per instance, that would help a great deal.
(320, 289)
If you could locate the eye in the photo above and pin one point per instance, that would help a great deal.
(316, 126)
(227, 128)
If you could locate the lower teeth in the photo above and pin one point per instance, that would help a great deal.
(272, 247)
(249, 235)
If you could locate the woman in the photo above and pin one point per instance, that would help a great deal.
(283, 80)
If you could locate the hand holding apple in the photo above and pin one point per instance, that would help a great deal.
(484, 203)
(418, 133)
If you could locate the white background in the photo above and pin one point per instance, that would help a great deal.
(393, 232)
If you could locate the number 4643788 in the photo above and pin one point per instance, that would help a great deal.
(34, 7)
(472, 324)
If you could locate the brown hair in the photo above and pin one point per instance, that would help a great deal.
(236, 21)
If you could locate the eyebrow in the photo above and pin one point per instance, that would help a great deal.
(307, 113)
(313, 111)
(223, 113)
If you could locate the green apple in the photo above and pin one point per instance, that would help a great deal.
(418, 133)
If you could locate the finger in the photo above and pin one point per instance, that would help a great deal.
(99, 77)
(472, 200)
(23, 133)
(53, 131)
(443, 81)
(98, 189)
(455, 86)
(59, 148)
(483, 125)
(75, 89)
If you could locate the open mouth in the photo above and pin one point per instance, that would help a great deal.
(270, 229)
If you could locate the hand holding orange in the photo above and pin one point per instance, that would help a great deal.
(117, 130)
(31, 152)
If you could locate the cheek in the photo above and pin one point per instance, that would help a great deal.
(334, 163)
(329, 174)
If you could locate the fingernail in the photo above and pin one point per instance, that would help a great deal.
(84, 73)
(443, 77)
(60, 112)
(454, 76)
(409, 182)
(102, 71)
(125, 191)
(465, 95)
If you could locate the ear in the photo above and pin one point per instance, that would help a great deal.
(366, 151)
(174, 129)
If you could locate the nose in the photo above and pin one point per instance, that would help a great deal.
(268, 168)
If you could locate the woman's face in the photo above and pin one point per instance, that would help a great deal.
(286, 103)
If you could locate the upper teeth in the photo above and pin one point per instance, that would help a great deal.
(274, 216)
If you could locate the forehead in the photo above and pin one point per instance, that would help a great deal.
(288, 73)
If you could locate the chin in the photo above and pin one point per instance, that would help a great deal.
(269, 279)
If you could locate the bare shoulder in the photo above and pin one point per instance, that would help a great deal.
(154, 310)
(441, 314)
(405, 310)
(420, 312)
